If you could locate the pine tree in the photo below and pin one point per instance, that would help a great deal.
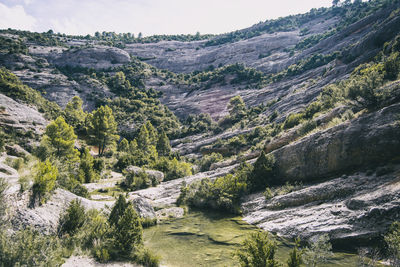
(263, 172)
(257, 251)
(74, 114)
(60, 137)
(153, 136)
(163, 145)
(44, 180)
(118, 210)
(86, 171)
(123, 146)
(73, 219)
(103, 128)
(295, 259)
(237, 107)
(143, 139)
(128, 232)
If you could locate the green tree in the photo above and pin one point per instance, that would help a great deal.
(74, 114)
(153, 136)
(143, 139)
(237, 108)
(123, 146)
(118, 83)
(44, 180)
(60, 138)
(128, 232)
(318, 252)
(295, 259)
(117, 210)
(86, 172)
(257, 251)
(73, 219)
(262, 173)
(103, 128)
(163, 145)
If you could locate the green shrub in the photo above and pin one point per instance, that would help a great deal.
(262, 173)
(73, 219)
(318, 252)
(86, 171)
(312, 108)
(307, 127)
(44, 180)
(117, 210)
(128, 232)
(29, 248)
(136, 181)
(257, 251)
(146, 258)
(293, 120)
(295, 259)
(392, 239)
(207, 160)
(172, 169)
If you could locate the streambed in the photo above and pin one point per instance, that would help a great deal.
(209, 239)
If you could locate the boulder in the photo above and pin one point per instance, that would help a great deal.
(143, 208)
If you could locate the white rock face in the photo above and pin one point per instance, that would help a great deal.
(356, 208)
(20, 117)
(98, 57)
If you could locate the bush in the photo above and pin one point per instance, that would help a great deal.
(29, 248)
(146, 258)
(293, 120)
(223, 194)
(136, 181)
(318, 252)
(172, 169)
(307, 127)
(73, 219)
(262, 173)
(392, 239)
(207, 160)
(257, 251)
(44, 180)
(117, 210)
(128, 232)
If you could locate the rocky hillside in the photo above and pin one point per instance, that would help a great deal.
(319, 92)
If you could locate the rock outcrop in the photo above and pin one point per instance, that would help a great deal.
(366, 141)
(354, 210)
(98, 57)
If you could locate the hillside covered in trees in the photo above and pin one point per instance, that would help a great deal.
(292, 124)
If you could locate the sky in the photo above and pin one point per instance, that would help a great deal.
(81, 17)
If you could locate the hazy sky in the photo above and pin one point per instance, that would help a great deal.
(146, 16)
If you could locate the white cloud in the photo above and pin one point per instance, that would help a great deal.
(15, 17)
